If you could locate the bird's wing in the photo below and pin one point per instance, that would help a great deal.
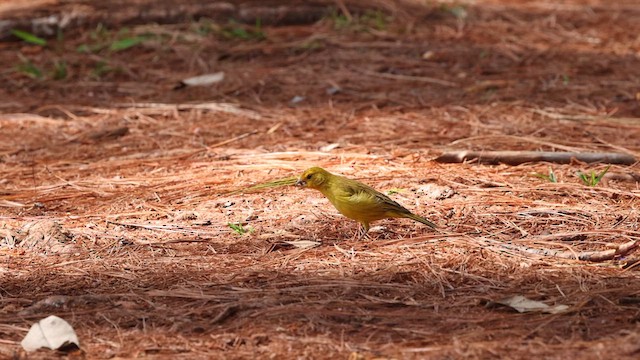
(353, 192)
(390, 204)
(361, 193)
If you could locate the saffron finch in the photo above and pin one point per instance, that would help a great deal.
(356, 200)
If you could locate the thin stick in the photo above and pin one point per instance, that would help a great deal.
(593, 256)
(521, 157)
(344, 10)
(424, 79)
(228, 141)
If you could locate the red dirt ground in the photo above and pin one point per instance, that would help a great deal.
(136, 175)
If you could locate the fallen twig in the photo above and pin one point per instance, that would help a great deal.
(235, 138)
(208, 106)
(400, 77)
(593, 256)
(520, 157)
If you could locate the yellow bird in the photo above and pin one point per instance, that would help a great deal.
(356, 200)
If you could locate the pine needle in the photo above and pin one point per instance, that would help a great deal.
(267, 185)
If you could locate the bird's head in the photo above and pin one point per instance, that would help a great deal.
(313, 178)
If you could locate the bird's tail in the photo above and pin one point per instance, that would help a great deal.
(420, 220)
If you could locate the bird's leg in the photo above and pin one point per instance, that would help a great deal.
(361, 233)
(357, 235)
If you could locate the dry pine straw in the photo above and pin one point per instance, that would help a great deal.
(153, 256)
(153, 268)
(153, 253)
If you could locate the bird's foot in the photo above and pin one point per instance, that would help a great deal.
(361, 233)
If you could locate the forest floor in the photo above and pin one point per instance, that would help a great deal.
(117, 210)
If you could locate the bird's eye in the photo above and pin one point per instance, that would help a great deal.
(309, 176)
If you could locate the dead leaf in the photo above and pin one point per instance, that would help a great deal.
(428, 55)
(304, 244)
(202, 80)
(329, 147)
(46, 236)
(436, 192)
(53, 333)
(8, 238)
(522, 304)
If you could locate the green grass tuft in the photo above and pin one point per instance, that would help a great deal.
(592, 179)
(28, 68)
(239, 229)
(550, 178)
(29, 37)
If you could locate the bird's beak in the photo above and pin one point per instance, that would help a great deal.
(301, 182)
